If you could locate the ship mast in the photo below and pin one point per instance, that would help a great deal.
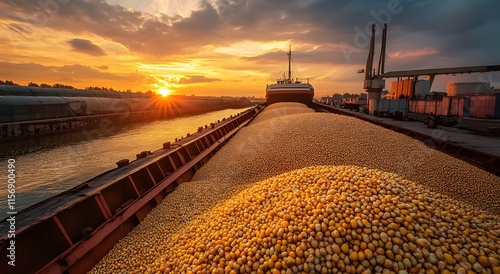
(290, 64)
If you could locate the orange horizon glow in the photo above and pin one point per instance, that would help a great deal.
(214, 71)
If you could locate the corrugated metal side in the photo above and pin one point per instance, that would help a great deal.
(497, 106)
(482, 106)
(456, 106)
(393, 106)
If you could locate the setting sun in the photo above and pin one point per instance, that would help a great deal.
(164, 92)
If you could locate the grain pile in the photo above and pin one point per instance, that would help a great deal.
(336, 218)
(280, 112)
(275, 144)
(285, 142)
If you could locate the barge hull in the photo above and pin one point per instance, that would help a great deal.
(278, 97)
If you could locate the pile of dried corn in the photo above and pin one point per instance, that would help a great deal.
(292, 139)
(272, 146)
(280, 112)
(327, 219)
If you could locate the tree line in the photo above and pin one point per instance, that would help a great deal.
(340, 97)
(42, 85)
(8, 83)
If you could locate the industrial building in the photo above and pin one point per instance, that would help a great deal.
(411, 97)
(409, 87)
(461, 99)
(24, 103)
(27, 108)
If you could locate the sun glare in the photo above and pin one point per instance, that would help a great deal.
(164, 92)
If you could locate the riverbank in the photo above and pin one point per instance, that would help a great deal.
(103, 118)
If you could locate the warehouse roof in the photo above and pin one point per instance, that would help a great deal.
(438, 71)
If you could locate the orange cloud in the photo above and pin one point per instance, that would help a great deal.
(416, 53)
(196, 79)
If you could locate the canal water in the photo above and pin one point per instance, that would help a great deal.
(47, 166)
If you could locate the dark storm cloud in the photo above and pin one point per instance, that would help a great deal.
(86, 46)
(138, 31)
(196, 79)
(319, 55)
(462, 30)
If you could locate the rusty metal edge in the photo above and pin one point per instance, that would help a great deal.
(80, 249)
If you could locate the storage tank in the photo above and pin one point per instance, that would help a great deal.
(402, 88)
(422, 88)
(458, 88)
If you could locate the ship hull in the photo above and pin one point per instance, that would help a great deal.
(300, 93)
(289, 97)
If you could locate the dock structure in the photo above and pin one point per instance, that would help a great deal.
(441, 71)
(374, 82)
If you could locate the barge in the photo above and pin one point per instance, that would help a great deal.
(50, 239)
(71, 232)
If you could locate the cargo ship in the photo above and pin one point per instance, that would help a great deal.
(287, 89)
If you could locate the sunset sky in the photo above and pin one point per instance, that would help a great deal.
(235, 48)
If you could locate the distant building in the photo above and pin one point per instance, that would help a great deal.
(422, 88)
(363, 99)
(462, 99)
(337, 97)
(326, 100)
(459, 88)
(409, 88)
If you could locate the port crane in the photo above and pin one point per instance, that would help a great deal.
(374, 81)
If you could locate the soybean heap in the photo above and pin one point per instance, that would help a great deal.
(320, 206)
